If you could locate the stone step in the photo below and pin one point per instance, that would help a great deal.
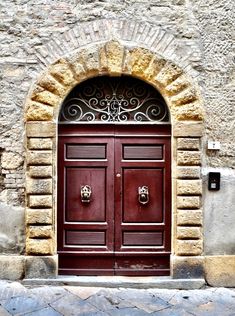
(120, 281)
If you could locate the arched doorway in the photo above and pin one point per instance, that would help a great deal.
(114, 179)
(41, 115)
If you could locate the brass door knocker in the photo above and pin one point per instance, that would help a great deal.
(143, 194)
(85, 193)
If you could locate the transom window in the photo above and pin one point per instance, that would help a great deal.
(114, 100)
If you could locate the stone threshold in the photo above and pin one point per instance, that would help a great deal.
(120, 282)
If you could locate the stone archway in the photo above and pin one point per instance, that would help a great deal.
(183, 99)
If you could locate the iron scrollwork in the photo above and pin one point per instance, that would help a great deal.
(109, 99)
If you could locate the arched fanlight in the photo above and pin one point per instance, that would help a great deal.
(114, 100)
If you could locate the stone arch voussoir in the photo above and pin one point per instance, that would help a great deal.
(114, 59)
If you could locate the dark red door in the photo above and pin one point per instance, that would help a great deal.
(114, 200)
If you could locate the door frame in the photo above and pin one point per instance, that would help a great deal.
(185, 106)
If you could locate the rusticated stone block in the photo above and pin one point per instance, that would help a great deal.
(189, 232)
(40, 201)
(39, 158)
(189, 247)
(38, 112)
(103, 60)
(11, 160)
(12, 267)
(39, 186)
(77, 64)
(168, 74)
(156, 64)
(188, 143)
(41, 129)
(40, 231)
(89, 57)
(62, 72)
(39, 216)
(192, 202)
(190, 111)
(39, 94)
(187, 267)
(220, 270)
(51, 84)
(189, 158)
(188, 129)
(39, 246)
(188, 172)
(114, 55)
(189, 187)
(177, 85)
(40, 171)
(37, 267)
(186, 96)
(139, 60)
(40, 143)
(189, 217)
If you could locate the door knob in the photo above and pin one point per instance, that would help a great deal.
(143, 194)
(86, 193)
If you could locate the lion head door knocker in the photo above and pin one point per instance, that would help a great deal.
(86, 193)
(143, 194)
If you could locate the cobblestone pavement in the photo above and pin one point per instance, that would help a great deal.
(16, 299)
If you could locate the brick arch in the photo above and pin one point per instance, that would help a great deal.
(185, 105)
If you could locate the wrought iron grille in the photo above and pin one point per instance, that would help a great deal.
(114, 99)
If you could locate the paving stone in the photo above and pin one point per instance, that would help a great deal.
(48, 311)
(99, 313)
(209, 309)
(128, 312)
(9, 290)
(48, 294)
(83, 292)
(60, 301)
(164, 294)
(23, 304)
(189, 298)
(144, 300)
(70, 304)
(105, 303)
(3, 312)
(173, 311)
(3, 283)
(225, 296)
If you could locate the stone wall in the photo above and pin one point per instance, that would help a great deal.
(199, 38)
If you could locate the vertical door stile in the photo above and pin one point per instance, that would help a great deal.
(118, 193)
(109, 193)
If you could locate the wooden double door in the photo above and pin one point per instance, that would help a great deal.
(114, 200)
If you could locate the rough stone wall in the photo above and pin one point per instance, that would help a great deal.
(203, 30)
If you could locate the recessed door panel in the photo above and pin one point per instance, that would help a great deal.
(143, 152)
(134, 209)
(93, 210)
(85, 151)
(87, 238)
(142, 238)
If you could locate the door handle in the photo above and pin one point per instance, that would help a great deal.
(86, 193)
(143, 194)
